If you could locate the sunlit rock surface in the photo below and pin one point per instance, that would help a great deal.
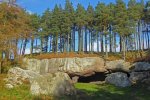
(118, 65)
(74, 66)
(56, 84)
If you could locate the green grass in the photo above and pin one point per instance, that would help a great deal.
(18, 93)
(110, 92)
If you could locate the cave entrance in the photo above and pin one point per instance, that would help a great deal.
(94, 78)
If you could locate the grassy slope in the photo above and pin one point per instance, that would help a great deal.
(109, 92)
(18, 93)
(86, 91)
(14, 94)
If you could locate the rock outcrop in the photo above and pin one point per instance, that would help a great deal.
(118, 79)
(118, 65)
(56, 84)
(140, 73)
(74, 66)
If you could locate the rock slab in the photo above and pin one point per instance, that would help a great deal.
(74, 66)
(56, 84)
(118, 65)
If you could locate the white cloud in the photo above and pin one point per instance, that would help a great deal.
(30, 12)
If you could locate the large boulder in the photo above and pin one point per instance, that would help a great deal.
(118, 79)
(136, 77)
(56, 84)
(74, 66)
(17, 76)
(140, 66)
(118, 65)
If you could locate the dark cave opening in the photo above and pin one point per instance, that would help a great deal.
(94, 78)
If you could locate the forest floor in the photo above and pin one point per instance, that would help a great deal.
(85, 91)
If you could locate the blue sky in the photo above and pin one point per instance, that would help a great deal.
(39, 6)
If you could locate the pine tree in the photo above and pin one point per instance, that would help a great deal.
(35, 24)
(90, 26)
(102, 15)
(46, 26)
(70, 13)
(122, 24)
(80, 22)
(112, 36)
(55, 30)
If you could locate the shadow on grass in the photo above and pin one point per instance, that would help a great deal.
(109, 92)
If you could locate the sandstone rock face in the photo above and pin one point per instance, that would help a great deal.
(136, 77)
(118, 65)
(118, 79)
(56, 84)
(141, 66)
(17, 76)
(74, 66)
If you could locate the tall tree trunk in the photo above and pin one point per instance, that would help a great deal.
(89, 41)
(68, 42)
(106, 52)
(135, 42)
(56, 41)
(85, 45)
(124, 48)
(50, 43)
(139, 36)
(110, 39)
(61, 44)
(31, 48)
(143, 42)
(115, 42)
(102, 46)
(74, 35)
(120, 43)
(21, 47)
(46, 44)
(79, 40)
(71, 40)
(148, 39)
(24, 46)
(97, 41)
(92, 40)
(64, 44)
(82, 40)
(41, 45)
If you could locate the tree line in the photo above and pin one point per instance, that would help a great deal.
(76, 30)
